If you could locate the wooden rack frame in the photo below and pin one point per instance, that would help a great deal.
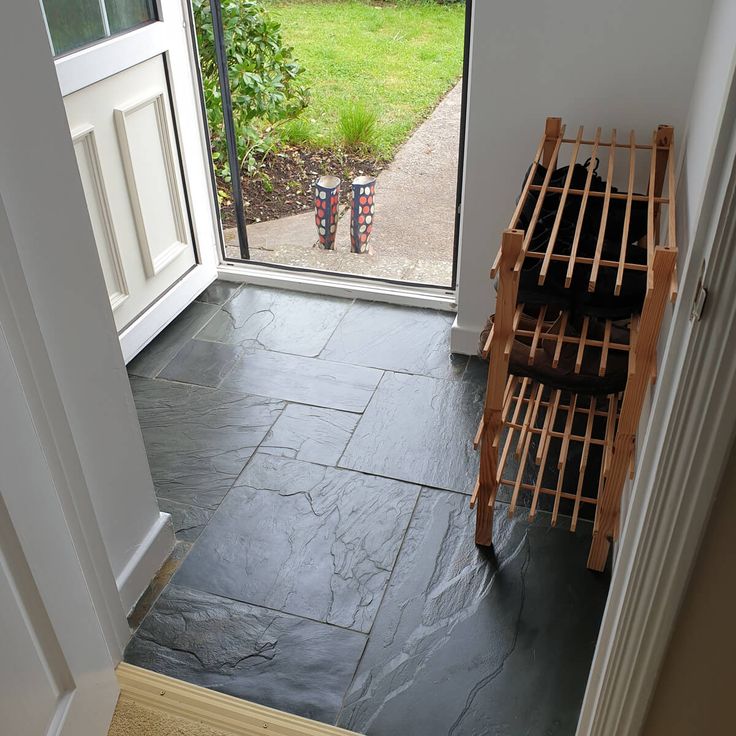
(537, 425)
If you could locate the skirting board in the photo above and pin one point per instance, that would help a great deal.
(145, 562)
(464, 340)
(222, 712)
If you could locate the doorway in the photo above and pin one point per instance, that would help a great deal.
(371, 99)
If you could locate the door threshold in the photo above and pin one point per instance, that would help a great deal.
(223, 713)
(350, 287)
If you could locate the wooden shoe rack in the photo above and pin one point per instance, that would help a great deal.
(540, 441)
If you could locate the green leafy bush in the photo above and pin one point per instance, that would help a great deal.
(265, 80)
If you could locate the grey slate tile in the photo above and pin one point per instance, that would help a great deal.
(270, 658)
(310, 433)
(396, 338)
(166, 345)
(199, 439)
(304, 380)
(201, 362)
(219, 292)
(419, 429)
(468, 642)
(188, 520)
(276, 319)
(306, 539)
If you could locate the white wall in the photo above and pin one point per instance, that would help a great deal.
(669, 502)
(626, 64)
(43, 197)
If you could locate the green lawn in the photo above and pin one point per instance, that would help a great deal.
(393, 60)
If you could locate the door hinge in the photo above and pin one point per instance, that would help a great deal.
(701, 296)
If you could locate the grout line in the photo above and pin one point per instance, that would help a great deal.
(269, 608)
(383, 598)
(332, 334)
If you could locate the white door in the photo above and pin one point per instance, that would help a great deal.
(129, 80)
(56, 674)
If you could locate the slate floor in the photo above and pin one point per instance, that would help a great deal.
(315, 455)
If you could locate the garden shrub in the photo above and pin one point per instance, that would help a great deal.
(264, 80)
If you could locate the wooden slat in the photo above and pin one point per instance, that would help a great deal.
(537, 333)
(583, 463)
(519, 475)
(549, 417)
(567, 431)
(614, 195)
(581, 214)
(581, 346)
(627, 215)
(559, 340)
(531, 425)
(529, 233)
(604, 214)
(560, 208)
(604, 349)
(650, 208)
(562, 460)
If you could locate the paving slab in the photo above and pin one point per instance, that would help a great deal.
(414, 223)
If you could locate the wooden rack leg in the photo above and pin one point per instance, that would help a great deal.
(552, 131)
(498, 369)
(609, 504)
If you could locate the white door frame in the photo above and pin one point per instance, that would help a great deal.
(689, 436)
(98, 61)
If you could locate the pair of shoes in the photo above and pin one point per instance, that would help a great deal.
(593, 208)
(541, 365)
(603, 302)
(362, 210)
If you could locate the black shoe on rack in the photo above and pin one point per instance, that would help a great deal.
(603, 301)
(553, 291)
(594, 207)
(563, 375)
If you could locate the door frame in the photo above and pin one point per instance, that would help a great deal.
(330, 283)
(689, 436)
(163, 37)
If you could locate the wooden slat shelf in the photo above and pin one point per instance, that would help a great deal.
(541, 440)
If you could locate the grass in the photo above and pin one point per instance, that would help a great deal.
(375, 70)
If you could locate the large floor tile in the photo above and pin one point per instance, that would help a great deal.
(188, 521)
(310, 433)
(158, 353)
(269, 658)
(304, 380)
(202, 362)
(469, 642)
(276, 319)
(219, 292)
(421, 430)
(306, 539)
(397, 339)
(199, 439)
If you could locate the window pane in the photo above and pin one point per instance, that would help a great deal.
(73, 23)
(125, 14)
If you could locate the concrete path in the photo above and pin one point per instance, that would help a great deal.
(413, 233)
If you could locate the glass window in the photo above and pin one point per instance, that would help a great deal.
(126, 14)
(75, 23)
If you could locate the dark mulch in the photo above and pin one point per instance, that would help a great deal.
(285, 184)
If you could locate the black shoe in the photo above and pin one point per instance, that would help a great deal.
(553, 291)
(593, 208)
(603, 302)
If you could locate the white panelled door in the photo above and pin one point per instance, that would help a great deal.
(126, 149)
(127, 72)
